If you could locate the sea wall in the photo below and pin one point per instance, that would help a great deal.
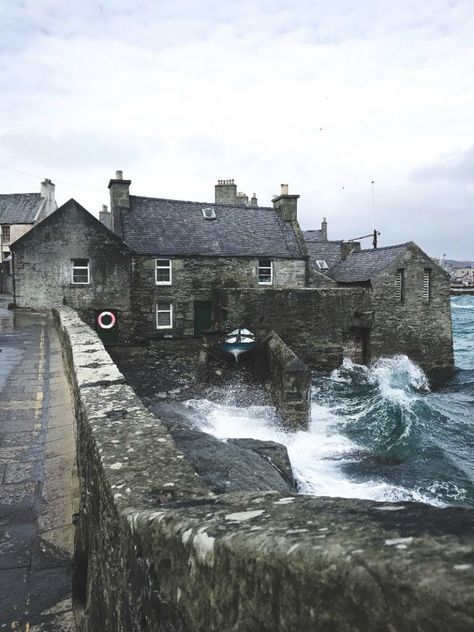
(290, 381)
(156, 551)
(321, 325)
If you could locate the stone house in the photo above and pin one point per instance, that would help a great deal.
(410, 302)
(71, 258)
(182, 252)
(18, 214)
(174, 268)
(410, 310)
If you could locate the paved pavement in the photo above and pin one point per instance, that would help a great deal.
(37, 488)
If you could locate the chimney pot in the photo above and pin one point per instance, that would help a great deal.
(119, 174)
(284, 189)
(104, 208)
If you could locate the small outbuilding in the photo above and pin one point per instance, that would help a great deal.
(71, 258)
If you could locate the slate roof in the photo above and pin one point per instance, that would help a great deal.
(70, 205)
(330, 251)
(366, 264)
(19, 208)
(175, 227)
(313, 235)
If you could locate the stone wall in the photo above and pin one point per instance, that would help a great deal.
(319, 324)
(418, 328)
(290, 383)
(196, 279)
(156, 552)
(43, 266)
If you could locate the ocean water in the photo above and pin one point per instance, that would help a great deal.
(380, 432)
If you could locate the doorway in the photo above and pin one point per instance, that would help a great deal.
(202, 317)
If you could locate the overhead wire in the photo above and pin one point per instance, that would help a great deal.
(34, 175)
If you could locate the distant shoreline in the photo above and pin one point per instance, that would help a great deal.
(456, 291)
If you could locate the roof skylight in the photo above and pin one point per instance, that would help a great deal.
(322, 265)
(209, 213)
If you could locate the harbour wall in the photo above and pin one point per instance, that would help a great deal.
(290, 380)
(157, 551)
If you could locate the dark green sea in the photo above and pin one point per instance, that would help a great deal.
(381, 432)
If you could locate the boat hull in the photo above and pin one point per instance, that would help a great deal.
(237, 342)
(238, 347)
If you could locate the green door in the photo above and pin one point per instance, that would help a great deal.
(202, 317)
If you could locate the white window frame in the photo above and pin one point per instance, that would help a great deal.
(75, 267)
(6, 228)
(400, 285)
(164, 311)
(168, 267)
(427, 285)
(322, 264)
(260, 267)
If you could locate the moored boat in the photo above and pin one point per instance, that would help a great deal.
(237, 342)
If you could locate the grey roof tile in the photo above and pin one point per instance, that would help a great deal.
(330, 251)
(366, 264)
(19, 208)
(313, 235)
(175, 227)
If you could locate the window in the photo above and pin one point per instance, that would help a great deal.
(163, 272)
(400, 284)
(164, 315)
(322, 265)
(80, 271)
(427, 284)
(209, 213)
(265, 271)
(6, 234)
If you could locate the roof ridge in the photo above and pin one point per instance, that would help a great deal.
(31, 193)
(147, 197)
(358, 252)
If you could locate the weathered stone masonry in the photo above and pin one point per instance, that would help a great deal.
(320, 325)
(196, 279)
(43, 265)
(157, 552)
(416, 327)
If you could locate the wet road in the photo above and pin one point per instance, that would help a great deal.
(37, 453)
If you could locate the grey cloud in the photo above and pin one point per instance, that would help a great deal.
(71, 150)
(439, 218)
(457, 168)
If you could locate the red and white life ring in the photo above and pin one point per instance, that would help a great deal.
(100, 320)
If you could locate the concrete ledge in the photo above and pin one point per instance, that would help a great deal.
(156, 552)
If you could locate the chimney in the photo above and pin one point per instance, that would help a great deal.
(226, 192)
(286, 205)
(105, 217)
(348, 247)
(242, 199)
(324, 229)
(253, 200)
(119, 191)
(49, 200)
(119, 199)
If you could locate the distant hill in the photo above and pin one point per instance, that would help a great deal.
(452, 263)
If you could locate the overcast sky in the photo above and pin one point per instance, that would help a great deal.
(324, 96)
